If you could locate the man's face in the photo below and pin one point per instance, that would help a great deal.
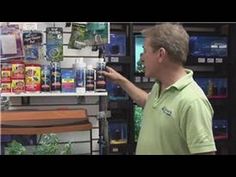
(149, 59)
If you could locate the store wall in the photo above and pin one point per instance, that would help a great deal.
(81, 139)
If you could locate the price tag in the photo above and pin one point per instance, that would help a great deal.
(219, 60)
(115, 59)
(152, 79)
(115, 150)
(145, 79)
(201, 60)
(106, 59)
(138, 79)
(210, 60)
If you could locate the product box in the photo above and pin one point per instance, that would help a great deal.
(67, 80)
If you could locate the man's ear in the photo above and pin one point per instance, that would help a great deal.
(161, 54)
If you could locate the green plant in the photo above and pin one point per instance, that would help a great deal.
(48, 145)
(15, 148)
(67, 149)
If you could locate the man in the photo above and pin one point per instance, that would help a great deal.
(177, 117)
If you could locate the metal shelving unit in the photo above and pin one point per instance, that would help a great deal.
(53, 94)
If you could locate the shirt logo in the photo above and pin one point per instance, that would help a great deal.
(166, 111)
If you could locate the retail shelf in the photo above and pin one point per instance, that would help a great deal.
(118, 59)
(38, 122)
(53, 94)
(217, 97)
(221, 137)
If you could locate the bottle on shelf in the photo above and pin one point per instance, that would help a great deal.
(90, 82)
(56, 77)
(45, 78)
(100, 78)
(80, 70)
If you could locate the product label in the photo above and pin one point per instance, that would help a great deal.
(80, 81)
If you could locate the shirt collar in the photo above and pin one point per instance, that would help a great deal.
(182, 82)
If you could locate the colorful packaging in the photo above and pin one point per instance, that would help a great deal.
(5, 87)
(32, 44)
(78, 33)
(32, 78)
(67, 80)
(6, 72)
(18, 85)
(18, 70)
(54, 44)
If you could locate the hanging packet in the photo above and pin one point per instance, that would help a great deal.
(32, 44)
(11, 45)
(54, 44)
